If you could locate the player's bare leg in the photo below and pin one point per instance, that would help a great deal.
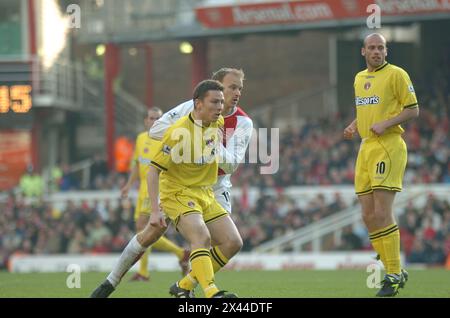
(151, 234)
(195, 231)
(368, 215)
(143, 273)
(130, 255)
(383, 201)
(385, 237)
(225, 236)
(226, 242)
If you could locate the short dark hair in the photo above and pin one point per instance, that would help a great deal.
(205, 86)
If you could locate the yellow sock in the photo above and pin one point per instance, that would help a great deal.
(218, 261)
(377, 238)
(143, 264)
(188, 282)
(163, 244)
(203, 270)
(377, 245)
(391, 242)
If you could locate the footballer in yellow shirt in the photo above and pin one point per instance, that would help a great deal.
(384, 98)
(185, 169)
(141, 161)
(190, 169)
(380, 95)
(188, 160)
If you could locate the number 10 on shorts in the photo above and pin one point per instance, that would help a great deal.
(381, 167)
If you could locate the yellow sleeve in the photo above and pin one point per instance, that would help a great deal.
(221, 122)
(135, 158)
(221, 127)
(135, 153)
(155, 146)
(161, 156)
(404, 90)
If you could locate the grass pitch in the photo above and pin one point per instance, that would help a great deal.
(433, 283)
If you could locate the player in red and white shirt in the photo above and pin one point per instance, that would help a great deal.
(225, 238)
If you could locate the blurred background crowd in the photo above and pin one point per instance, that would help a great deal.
(72, 99)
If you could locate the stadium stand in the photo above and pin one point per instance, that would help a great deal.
(311, 154)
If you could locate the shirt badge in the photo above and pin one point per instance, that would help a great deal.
(166, 149)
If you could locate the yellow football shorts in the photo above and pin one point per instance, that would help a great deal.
(176, 200)
(380, 164)
(142, 207)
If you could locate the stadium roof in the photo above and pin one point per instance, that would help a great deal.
(128, 22)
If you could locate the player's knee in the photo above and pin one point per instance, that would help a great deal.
(380, 215)
(368, 218)
(141, 221)
(201, 242)
(205, 239)
(140, 225)
(147, 237)
(235, 244)
(201, 238)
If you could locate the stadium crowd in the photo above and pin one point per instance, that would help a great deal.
(99, 228)
(312, 153)
(40, 228)
(425, 231)
(274, 216)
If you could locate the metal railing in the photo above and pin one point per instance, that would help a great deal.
(129, 113)
(59, 85)
(334, 224)
(312, 233)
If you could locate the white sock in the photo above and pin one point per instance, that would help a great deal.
(130, 255)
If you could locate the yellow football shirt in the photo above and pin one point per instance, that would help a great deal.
(188, 153)
(381, 95)
(142, 155)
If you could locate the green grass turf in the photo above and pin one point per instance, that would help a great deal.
(251, 284)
